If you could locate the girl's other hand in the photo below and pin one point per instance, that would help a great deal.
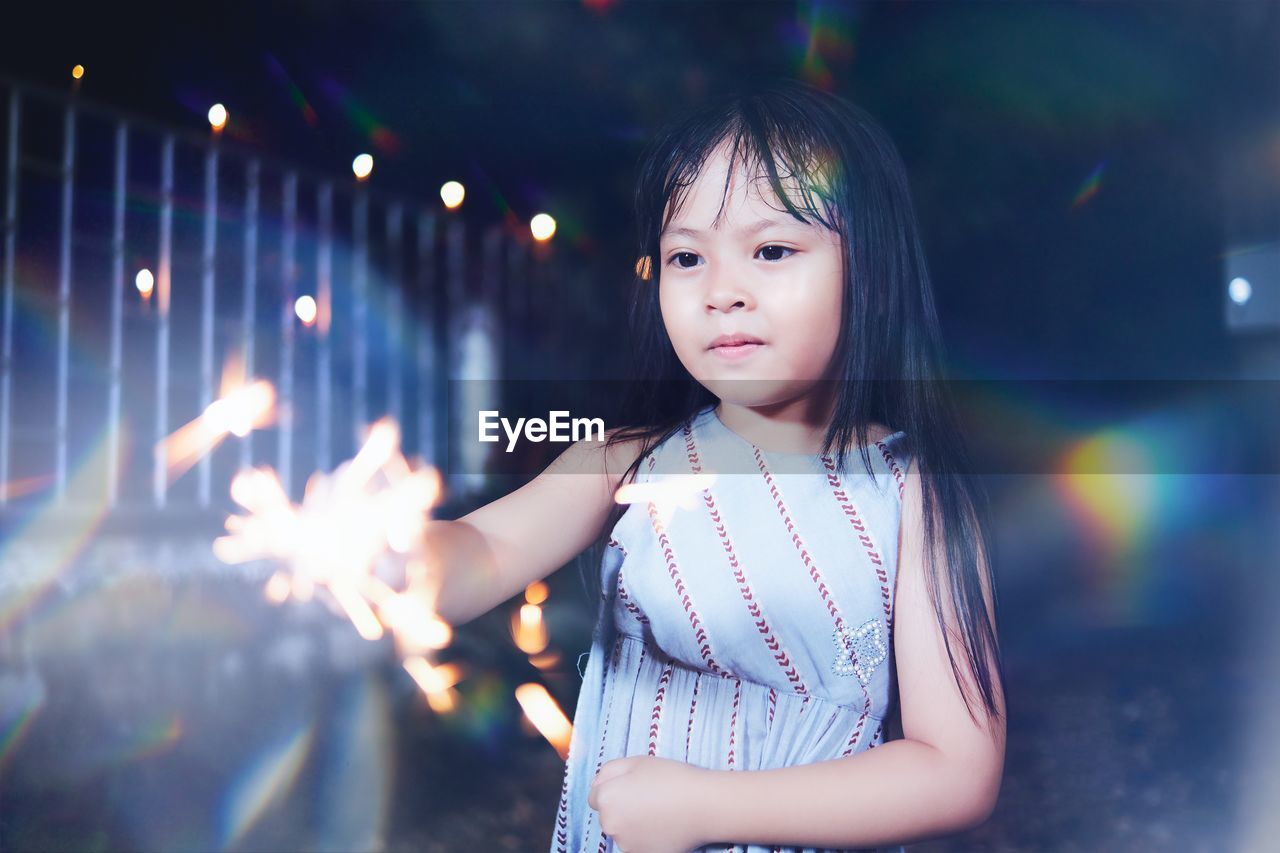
(648, 804)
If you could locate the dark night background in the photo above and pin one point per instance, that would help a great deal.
(1002, 111)
(1080, 171)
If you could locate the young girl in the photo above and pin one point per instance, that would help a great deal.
(761, 631)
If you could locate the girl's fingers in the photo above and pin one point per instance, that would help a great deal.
(612, 769)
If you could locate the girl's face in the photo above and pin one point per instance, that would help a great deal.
(760, 273)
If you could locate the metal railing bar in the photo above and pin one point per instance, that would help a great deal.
(360, 317)
(288, 274)
(64, 300)
(426, 338)
(10, 247)
(395, 314)
(162, 292)
(208, 287)
(249, 313)
(117, 317)
(324, 319)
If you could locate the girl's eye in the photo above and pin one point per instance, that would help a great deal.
(782, 248)
(675, 259)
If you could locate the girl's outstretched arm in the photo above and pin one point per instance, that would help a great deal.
(489, 555)
(942, 778)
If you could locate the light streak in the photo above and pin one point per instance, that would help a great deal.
(241, 407)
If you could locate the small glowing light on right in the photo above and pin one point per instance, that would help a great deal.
(77, 72)
(362, 166)
(145, 282)
(452, 193)
(542, 226)
(1239, 290)
(217, 117)
(305, 308)
(642, 268)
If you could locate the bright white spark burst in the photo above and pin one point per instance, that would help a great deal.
(371, 508)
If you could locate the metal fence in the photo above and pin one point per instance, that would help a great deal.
(231, 237)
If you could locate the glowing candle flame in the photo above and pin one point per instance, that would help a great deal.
(528, 630)
(541, 710)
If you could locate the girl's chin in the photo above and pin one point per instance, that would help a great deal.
(744, 390)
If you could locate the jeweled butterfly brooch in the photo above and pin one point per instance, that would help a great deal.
(859, 650)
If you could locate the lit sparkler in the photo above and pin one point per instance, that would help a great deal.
(349, 522)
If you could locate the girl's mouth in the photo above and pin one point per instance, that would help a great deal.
(736, 352)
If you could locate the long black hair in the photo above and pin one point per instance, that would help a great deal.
(852, 180)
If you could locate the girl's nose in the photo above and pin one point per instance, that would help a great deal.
(726, 288)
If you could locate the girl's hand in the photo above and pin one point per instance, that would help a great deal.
(648, 804)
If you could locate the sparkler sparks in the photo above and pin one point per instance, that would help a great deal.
(672, 493)
(367, 515)
(241, 407)
(348, 523)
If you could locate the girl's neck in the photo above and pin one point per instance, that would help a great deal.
(794, 426)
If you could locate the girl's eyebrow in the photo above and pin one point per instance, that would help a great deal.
(754, 228)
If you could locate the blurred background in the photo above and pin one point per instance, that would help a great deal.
(406, 209)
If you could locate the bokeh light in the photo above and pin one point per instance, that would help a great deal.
(145, 282)
(362, 166)
(1239, 290)
(452, 194)
(217, 117)
(542, 226)
(305, 308)
(77, 72)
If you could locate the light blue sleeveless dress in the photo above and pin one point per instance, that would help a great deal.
(749, 627)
